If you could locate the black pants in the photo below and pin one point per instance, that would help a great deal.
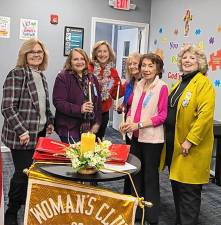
(147, 180)
(22, 159)
(187, 199)
(104, 121)
(128, 140)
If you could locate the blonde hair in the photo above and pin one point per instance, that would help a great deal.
(68, 65)
(26, 47)
(111, 51)
(134, 55)
(201, 57)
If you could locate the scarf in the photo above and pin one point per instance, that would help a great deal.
(84, 84)
(105, 81)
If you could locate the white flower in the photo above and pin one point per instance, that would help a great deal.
(95, 158)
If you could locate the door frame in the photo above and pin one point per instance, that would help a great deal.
(143, 26)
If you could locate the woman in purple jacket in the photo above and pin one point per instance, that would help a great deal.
(75, 113)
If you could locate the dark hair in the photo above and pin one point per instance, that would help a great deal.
(155, 59)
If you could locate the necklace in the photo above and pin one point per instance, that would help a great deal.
(173, 103)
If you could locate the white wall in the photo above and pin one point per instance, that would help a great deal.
(168, 15)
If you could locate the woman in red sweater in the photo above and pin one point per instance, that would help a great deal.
(102, 67)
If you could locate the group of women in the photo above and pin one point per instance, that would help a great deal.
(179, 123)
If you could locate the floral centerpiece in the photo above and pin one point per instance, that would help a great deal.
(88, 162)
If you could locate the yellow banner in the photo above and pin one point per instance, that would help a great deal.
(60, 202)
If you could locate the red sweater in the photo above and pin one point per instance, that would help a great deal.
(106, 104)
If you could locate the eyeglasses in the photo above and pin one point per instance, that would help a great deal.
(36, 52)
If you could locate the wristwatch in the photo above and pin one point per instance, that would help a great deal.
(140, 125)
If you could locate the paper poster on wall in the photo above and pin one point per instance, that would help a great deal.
(73, 38)
(4, 27)
(28, 29)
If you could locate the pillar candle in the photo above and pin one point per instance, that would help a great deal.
(89, 90)
(118, 90)
(87, 142)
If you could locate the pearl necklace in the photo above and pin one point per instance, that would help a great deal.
(172, 104)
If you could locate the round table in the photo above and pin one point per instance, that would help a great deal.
(66, 172)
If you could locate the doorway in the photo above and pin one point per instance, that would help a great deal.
(125, 37)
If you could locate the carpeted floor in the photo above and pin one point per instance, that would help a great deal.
(211, 198)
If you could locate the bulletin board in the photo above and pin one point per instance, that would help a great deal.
(187, 25)
(73, 38)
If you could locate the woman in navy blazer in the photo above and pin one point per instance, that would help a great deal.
(75, 113)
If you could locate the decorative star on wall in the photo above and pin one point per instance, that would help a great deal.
(217, 83)
(211, 40)
(198, 31)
